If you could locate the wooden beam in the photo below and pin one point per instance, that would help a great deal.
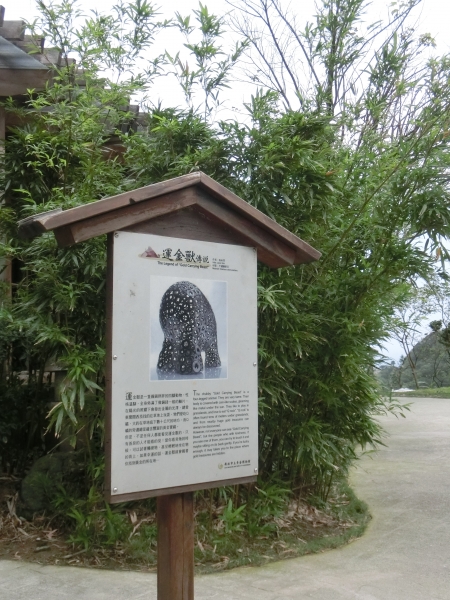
(106, 205)
(35, 225)
(271, 250)
(181, 489)
(222, 193)
(175, 517)
(108, 363)
(13, 30)
(5, 264)
(131, 214)
(31, 44)
(15, 82)
(64, 237)
(49, 56)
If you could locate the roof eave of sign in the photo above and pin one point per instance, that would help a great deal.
(59, 220)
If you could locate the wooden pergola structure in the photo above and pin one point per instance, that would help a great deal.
(26, 64)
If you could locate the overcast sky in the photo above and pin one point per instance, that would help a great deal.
(433, 16)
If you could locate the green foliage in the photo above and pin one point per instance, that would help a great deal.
(111, 43)
(431, 365)
(315, 331)
(229, 531)
(174, 142)
(232, 518)
(276, 525)
(362, 177)
(23, 410)
(57, 159)
(92, 523)
(267, 504)
(212, 65)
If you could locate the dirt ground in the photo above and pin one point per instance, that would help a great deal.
(43, 541)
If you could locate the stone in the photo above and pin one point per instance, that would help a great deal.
(41, 482)
(190, 328)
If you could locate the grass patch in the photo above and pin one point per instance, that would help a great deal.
(303, 528)
(443, 392)
(266, 524)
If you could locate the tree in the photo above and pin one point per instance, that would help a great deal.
(431, 365)
(57, 159)
(212, 66)
(65, 154)
(407, 328)
(439, 364)
(325, 63)
(388, 108)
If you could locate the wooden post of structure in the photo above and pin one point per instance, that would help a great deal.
(2, 129)
(5, 264)
(175, 514)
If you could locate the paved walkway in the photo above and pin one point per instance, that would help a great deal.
(404, 555)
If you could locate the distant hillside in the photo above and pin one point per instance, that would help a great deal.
(432, 366)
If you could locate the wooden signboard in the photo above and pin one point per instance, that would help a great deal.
(181, 372)
(183, 355)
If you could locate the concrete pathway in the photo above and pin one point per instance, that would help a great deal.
(405, 554)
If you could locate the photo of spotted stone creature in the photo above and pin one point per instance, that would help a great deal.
(189, 327)
(187, 320)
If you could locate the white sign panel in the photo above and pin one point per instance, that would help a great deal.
(184, 376)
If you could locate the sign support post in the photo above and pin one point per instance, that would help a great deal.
(175, 515)
(181, 341)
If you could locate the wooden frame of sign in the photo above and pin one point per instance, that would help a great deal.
(192, 207)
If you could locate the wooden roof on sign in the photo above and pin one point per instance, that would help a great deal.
(180, 207)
